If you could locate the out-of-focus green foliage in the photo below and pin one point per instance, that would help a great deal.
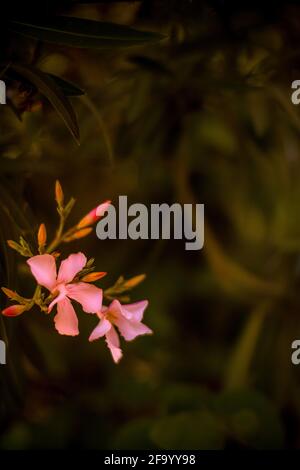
(202, 115)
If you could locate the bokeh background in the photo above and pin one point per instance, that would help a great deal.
(203, 115)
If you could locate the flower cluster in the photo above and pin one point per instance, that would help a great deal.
(72, 282)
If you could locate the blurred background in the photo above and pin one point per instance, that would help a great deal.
(203, 115)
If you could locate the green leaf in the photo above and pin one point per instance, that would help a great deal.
(4, 69)
(134, 434)
(194, 430)
(150, 65)
(14, 109)
(240, 362)
(83, 33)
(178, 397)
(68, 88)
(47, 86)
(233, 277)
(251, 419)
(13, 222)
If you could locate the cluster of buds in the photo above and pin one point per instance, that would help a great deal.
(73, 281)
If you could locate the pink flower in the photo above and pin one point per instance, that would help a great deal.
(43, 268)
(127, 318)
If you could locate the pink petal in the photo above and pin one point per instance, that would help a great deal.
(135, 311)
(89, 296)
(130, 329)
(66, 321)
(101, 329)
(62, 295)
(43, 268)
(70, 267)
(113, 342)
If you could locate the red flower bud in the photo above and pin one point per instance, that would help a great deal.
(13, 310)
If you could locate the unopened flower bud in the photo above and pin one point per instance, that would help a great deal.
(13, 245)
(92, 277)
(42, 236)
(134, 281)
(80, 234)
(59, 194)
(9, 293)
(94, 215)
(14, 310)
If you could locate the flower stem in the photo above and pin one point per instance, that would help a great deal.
(58, 237)
(54, 244)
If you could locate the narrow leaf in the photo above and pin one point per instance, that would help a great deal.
(68, 88)
(47, 86)
(83, 33)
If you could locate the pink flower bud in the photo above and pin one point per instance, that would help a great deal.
(94, 215)
(13, 310)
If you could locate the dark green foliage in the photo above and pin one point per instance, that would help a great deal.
(197, 110)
